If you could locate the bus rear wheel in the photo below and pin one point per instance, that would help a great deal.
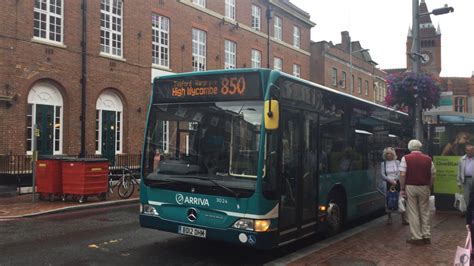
(335, 214)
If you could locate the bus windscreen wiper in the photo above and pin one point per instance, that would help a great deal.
(235, 194)
(159, 182)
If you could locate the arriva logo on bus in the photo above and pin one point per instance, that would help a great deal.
(180, 199)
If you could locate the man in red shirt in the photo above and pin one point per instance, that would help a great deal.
(417, 174)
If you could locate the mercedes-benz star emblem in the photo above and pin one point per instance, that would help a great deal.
(192, 215)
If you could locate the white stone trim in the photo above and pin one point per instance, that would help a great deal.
(109, 101)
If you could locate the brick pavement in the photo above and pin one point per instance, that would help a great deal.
(24, 206)
(382, 244)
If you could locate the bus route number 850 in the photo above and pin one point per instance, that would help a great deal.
(233, 85)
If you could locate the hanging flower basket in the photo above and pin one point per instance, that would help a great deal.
(404, 88)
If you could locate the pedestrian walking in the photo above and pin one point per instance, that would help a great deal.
(465, 172)
(390, 171)
(417, 174)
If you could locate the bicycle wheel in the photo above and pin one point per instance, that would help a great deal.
(126, 187)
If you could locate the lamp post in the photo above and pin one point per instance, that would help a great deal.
(269, 15)
(415, 50)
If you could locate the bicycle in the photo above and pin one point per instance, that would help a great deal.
(125, 183)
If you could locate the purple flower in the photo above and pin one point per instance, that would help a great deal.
(403, 88)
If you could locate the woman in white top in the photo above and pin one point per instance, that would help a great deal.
(391, 174)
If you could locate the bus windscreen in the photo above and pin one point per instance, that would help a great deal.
(203, 88)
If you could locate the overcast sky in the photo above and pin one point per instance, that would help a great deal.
(382, 26)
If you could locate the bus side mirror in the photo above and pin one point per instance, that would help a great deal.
(272, 114)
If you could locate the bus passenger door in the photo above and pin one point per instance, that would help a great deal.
(298, 173)
(290, 171)
(309, 181)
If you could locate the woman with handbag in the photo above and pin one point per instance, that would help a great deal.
(391, 174)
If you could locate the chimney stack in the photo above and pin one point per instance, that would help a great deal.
(345, 41)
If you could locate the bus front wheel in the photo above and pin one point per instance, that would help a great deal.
(335, 214)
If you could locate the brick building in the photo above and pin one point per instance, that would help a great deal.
(347, 67)
(459, 91)
(87, 87)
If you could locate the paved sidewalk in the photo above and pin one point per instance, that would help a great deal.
(377, 243)
(23, 205)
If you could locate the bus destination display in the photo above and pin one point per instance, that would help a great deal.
(237, 86)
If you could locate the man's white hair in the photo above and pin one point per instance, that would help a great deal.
(414, 145)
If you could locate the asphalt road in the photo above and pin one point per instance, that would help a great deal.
(112, 236)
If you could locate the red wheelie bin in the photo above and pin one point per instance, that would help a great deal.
(48, 177)
(85, 177)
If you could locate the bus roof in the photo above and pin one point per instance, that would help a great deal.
(213, 72)
(267, 72)
(310, 83)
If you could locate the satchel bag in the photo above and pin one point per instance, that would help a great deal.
(463, 254)
(459, 202)
(392, 199)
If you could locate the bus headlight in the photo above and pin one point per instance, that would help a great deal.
(262, 225)
(149, 210)
(245, 224)
(252, 225)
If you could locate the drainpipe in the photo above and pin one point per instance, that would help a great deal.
(82, 153)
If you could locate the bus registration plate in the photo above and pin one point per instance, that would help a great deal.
(191, 231)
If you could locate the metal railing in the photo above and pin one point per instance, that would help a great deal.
(15, 164)
(19, 167)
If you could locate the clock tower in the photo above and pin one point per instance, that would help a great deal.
(430, 44)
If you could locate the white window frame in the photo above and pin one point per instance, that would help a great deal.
(230, 9)
(230, 51)
(256, 17)
(44, 20)
(352, 83)
(160, 40)
(460, 104)
(334, 76)
(344, 77)
(366, 88)
(359, 85)
(278, 28)
(256, 58)
(296, 36)
(110, 101)
(118, 131)
(111, 27)
(278, 63)
(199, 50)
(296, 70)
(45, 93)
(98, 136)
(201, 3)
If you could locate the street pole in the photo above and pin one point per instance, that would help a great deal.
(415, 57)
(269, 15)
(416, 69)
(34, 158)
(350, 67)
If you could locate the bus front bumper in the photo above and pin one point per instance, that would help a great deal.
(265, 240)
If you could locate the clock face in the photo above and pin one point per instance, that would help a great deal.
(425, 58)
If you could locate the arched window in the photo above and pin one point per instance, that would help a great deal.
(45, 109)
(109, 125)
